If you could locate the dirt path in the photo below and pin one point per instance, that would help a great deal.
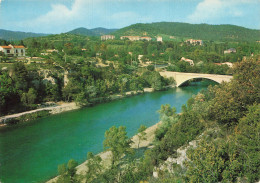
(53, 110)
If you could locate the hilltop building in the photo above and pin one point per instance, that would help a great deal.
(131, 38)
(136, 38)
(106, 37)
(230, 50)
(187, 60)
(12, 50)
(194, 41)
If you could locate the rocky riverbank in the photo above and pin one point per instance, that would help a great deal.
(26, 116)
(106, 156)
(61, 107)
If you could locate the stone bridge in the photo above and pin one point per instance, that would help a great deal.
(181, 77)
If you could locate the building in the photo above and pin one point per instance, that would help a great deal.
(12, 50)
(159, 39)
(106, 37)
(230, 50)
(187, 60)
(131, 38)
(194, 42)
(146, 38)
(229, 64)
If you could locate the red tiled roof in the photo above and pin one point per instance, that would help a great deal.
(18, 46)
(6, 47)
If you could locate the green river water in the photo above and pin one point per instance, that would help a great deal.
(32, 151)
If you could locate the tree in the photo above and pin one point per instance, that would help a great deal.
(117, 142)
(29, 98)
(141, 134)
(94, 166)
(20, 76)
(168, 117)
(68, 173)
(247, 135)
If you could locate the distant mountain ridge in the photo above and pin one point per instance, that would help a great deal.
(195, 31)
(92, 32)
(166, 29)
(18, 35)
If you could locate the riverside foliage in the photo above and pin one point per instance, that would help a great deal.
(227, 147)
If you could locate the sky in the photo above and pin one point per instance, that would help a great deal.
(57, 16)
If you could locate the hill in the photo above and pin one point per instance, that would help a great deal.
(91, 32)
(102, 31)
(195, 31)
(17, 35)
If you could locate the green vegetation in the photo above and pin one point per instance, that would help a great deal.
(196, 31)
(91, 32)
(222, 122)
(87, 70)
(17, 35)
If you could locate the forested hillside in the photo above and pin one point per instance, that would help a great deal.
(17, 35)
(91, 32)
(195, 31)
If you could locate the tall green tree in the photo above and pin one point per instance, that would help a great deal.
(141, 134)
(117, 142)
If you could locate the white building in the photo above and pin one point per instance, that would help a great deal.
(12, 50)
(106, 37)
(194, 41)
(187, 60)
(159, 39)
(131, 38)
(230, 50)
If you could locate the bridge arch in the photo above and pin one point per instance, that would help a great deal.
(184, 81)
(181, 77)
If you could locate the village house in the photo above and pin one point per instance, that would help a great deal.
(194, 41)
(131, 38)
(12, 50)
(159, 39)
(230, 50)
(50, 51)
(187, 60)
(106, 37)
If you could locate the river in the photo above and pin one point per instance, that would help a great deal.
(32, 151)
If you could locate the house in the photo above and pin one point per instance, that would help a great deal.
(230, 50)
(131, 38)
(194, 42)
(106, 37)
(159, 39)
(140, 58)
(50, 51)
(229, 64)
(187, 60)
(13, 50)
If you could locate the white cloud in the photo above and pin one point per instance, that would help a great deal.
(209, 10)
(82, 13)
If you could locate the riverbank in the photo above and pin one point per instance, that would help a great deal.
(106, 155)
(26, 116)
(60, 107)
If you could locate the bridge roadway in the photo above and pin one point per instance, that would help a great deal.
(181, 77)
